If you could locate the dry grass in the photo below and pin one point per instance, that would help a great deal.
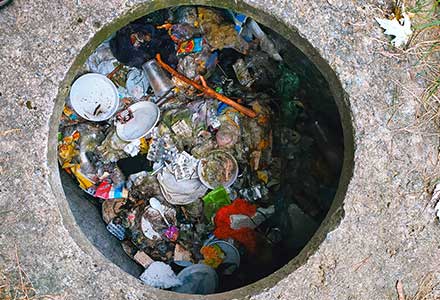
(424, 46)
(16, 285)
(423, 55)
(426, 290)
(427, 286)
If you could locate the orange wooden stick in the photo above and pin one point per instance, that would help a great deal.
(207, 90)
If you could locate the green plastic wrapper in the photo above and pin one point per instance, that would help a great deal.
(215, 200)
(288, 84)
(286, 87)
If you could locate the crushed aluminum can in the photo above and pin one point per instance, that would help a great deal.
(159, 81)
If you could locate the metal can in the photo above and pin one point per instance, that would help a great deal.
(159, 81)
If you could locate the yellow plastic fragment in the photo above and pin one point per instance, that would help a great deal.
(263, 176)
(83, 181)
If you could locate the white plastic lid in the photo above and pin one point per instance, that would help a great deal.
(94, 97)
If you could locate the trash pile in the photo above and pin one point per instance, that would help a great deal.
(171, 127)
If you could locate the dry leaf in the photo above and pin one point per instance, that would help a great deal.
(400, 29)
(400, 292)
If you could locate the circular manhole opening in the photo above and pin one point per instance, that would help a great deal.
(212, 166)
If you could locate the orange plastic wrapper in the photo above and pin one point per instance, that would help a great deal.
(67, 149)
(213, 255)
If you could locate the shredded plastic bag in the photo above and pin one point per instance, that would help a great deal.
(101, 54)
(134, 44)
(137, 84)
(215, 200)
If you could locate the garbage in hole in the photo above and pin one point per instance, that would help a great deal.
(173, 130)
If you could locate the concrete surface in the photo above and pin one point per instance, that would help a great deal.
(387, 232)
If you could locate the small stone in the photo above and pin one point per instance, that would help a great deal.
(143, 259)
(242, 221)
(180, 253)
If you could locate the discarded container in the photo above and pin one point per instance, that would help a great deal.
(218, 168)
(94, 97)
(159, 81)
(148, 230)
(198, 279)
(231, 262)
(145, 117)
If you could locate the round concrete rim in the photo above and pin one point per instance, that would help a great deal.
(334, 215)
